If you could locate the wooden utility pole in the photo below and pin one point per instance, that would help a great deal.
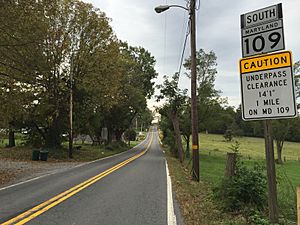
(71, 118)
(195, 141)
(271, 173)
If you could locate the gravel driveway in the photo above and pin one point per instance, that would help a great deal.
(12, 172)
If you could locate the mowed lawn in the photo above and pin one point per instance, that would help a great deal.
(253, 147)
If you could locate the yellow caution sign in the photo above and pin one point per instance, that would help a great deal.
(266, 62)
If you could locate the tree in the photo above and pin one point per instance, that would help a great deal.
(208, 97)
(169, 90)
(185, 125)
(281, 129)
(19, 52)
(70, 46)
(139, 67)
(296, 69)
(130, 135)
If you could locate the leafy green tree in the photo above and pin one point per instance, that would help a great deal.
(169, 90)
(186, 125)
(296, 69)
(70, 46)
(130, 135)
(281, 129)
(139, 66)
(143, 119)
(209, 101)
(67, 39)
(19, 54)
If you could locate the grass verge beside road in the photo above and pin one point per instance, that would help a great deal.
(195, 199)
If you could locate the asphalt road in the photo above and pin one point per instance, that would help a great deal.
(127, 189)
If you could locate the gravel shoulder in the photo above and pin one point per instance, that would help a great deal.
(12, 172)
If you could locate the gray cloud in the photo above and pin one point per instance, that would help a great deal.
(218, 29)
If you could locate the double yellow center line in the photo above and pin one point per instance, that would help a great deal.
(45, 206)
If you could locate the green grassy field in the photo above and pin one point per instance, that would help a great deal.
(213, 149)
(253, 147)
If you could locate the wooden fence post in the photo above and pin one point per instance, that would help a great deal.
(298, 204)
(231, 163)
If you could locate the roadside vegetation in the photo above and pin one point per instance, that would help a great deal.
(64, 55)
(82, 153)
(199, 197)
(240, 198)
(83, 150)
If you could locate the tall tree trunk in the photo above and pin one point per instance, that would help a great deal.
(53, 138)
(279, 145)
(109, 135)
(11, 138)
(187, 150)
(118, 134)
(177, 136)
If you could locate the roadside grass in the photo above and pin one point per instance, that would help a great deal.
(213, 149)
(87, 152)
(195, 199)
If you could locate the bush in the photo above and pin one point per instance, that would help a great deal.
(228, 135)
(246, 189)
(256, 218)
(116, 145)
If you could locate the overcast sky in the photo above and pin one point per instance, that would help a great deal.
(218, 29)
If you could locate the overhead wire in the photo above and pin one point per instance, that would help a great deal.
(165, 40)
(184, 46)
(182, 39)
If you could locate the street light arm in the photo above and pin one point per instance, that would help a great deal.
(162, 8)
(179, 6)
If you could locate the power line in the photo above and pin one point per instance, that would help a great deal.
(183, 31)
(165, 41)
(184, 46)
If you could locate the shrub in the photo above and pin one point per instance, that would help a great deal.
(246, 189)
(130, 135)
(228, 135)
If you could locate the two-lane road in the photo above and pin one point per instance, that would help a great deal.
(130, 188)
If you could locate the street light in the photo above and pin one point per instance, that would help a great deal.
(163, 8)
(194, 117)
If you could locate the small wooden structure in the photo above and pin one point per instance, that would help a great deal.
(231, 163)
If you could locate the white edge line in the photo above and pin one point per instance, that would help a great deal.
(171, 217)
(63, 170)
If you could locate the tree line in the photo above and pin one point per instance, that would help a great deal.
(215, 115)
(50, 47)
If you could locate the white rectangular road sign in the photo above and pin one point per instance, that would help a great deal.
(267, 86)
(262, 31)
